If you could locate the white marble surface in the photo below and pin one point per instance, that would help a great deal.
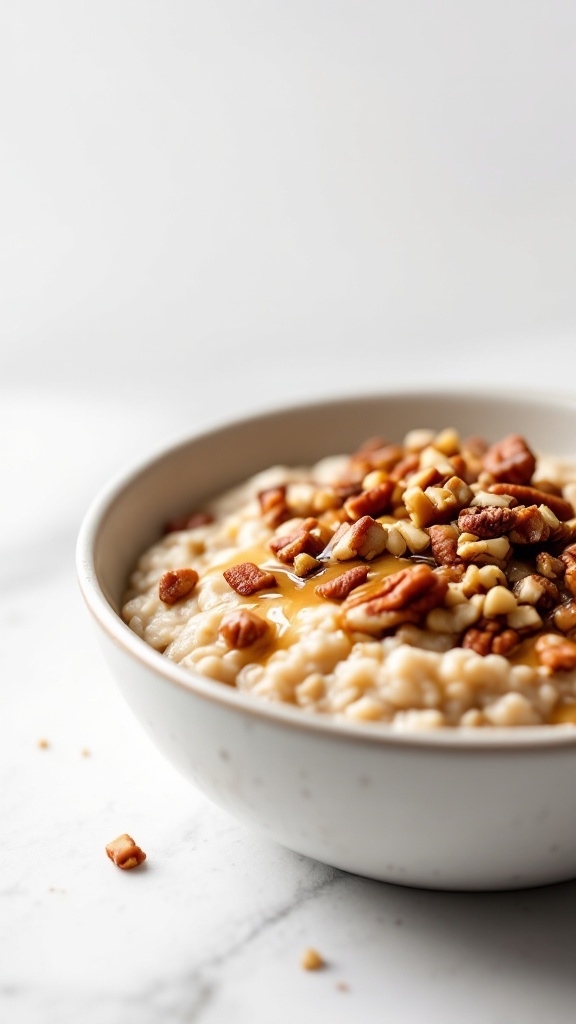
(279, 199)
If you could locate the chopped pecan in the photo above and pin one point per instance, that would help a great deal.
(451, 573)
(273, 505)
(485, 523)
(556, 652)
(564, 617)
(376, 454)
(561, 508)
(568, 559)
(364, 539)
(403, 597)
(246, 578)
(177, 584)
(242, 628)
(339, 588)
(536, 590)
(416, 587)
(548, 566)
(124, 852)
(475, 446)
(510, 459)
(373, 502)
(190, 522)
(300, 542)
(305, 564)
(444, 542)
(490, 637)
(528, 525)
(409, 464)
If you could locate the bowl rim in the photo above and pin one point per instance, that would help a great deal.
(493, 738)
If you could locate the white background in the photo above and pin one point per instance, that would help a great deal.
(208, 208)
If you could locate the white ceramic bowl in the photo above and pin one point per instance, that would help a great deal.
(447, 809)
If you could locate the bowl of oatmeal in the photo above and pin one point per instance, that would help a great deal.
(352, 623)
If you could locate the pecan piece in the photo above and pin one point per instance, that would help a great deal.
(536, 590)
(301, 542)
(444, 543)
(490, 637)
(561, 508)
(564, 617)
(402, 597)
(376, 454)
(246, 578)
(528, 525)
(556, 652)
(124, 852)
(190, 522)
(568, 559)
(339, 588)
(176, 584)
(510, 459)
(373, 502)
(273, 505)
(364, 539)
(409, 464)
(485, 523)
(242, 628)
(548, 566)
(416, 587)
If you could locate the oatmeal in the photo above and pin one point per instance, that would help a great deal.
(425, 584)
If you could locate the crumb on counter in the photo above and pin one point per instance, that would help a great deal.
(124, 852)
(311, 960)
(43, 744)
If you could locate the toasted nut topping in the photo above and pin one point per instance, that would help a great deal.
(444, 541)
(188, 522)
(548, 566)
(373, 502)
(300, 541)
(532, 496)
(274, 506)
(177, 584)
(242, 628)
(537, 590)
(483, 552)
(564, 617)
(568, 559)
(364, 539)
(339, 588)
(499, 601)
(556, 652)
(246, 578)
(304, 564)
(124, 852)
(452, 620)
(420, 507)
(485, 523)
(418, 588)
(511, 460)
(529, 526)
(405, 467)
(490, 637)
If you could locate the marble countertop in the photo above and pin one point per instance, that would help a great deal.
(265, 202)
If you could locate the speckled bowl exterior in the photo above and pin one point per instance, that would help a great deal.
(448, 809)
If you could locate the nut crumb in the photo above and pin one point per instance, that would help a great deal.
(43, 744)
(85, 752)
(124, 852)
(342, 986)
(311, 960)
